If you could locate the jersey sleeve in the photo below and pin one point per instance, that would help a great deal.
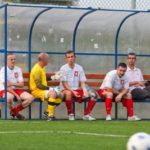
(82, 76)
(2, 76)
(64, 74)
(141, 75)
(108, 81)
(20, 75)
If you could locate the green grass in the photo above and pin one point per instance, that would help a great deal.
(55, 135)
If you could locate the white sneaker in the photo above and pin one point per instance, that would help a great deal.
(134, 118)
(88, 117)
(71, 117)
(108, 118)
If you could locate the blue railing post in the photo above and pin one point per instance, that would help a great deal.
(77, 26)
(30, 52)
(116, 51)
(5, 59)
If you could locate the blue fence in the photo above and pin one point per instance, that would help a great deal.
(86, 12)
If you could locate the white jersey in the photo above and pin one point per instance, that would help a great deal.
(72, 76)
(14, 76)
(112, 80)
(134, 75)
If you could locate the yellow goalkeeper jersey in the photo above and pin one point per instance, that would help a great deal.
(37, 76)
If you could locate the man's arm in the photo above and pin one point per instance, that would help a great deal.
(83, 86)
(137, 83)
(14, 93)
(18, 84)
(40, 85)
(121, 94)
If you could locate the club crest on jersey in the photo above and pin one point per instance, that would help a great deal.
(76, 73)
(16, 74)
(122, 82)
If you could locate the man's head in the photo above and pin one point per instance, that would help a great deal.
(121, 69)
(11, 60)
(43, 59)
(131, 59)
(70, 57)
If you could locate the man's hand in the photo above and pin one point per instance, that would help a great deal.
(85, 93)
(118, 98)
(9, 83)
(75, 93)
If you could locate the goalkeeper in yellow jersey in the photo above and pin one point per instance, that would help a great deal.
(39, 88)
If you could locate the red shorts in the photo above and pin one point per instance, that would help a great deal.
(80, 98)
(17, 91)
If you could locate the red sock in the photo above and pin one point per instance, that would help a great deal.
(91, 104)
(17, 109)
(128, 103)
(108, 105)
(69, 106)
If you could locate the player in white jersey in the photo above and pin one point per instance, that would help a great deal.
(15, 84)
(116, 86)
(73, 85)
(136, 81)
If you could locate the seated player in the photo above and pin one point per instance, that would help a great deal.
(73, 86)
(136, 81)
(116, 86)
(39, 88)
(15, 86)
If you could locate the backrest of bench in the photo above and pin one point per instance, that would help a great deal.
(93, 80)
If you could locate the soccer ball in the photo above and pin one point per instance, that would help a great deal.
(139, 141)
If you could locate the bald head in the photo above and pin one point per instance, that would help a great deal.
(43, 59)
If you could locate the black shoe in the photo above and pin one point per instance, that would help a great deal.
(20, 117)
(52, 118)
(45, 115)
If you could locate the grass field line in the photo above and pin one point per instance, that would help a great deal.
(63, 132)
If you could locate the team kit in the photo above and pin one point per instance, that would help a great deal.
(124, 84)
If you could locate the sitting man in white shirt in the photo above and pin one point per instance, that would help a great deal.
(73, 85)
(15, 86)
(116, 87)
(136, 81)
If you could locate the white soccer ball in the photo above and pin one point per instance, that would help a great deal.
(139, 141)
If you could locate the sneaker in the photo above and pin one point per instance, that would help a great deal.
(45, 115)
(12, 116)
(134, 118)
(20, 117)
(108, 118)
(51, 118)
(71, 117)
(88, 117)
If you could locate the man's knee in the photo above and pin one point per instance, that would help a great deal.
(52, 94)
(27, 96)
(67, 94)
(109, 95)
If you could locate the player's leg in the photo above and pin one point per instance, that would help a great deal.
(26, 101)
(128, 103)
(10, 98)
(107, 97)
(51, 105)
(91, 103)
(68, 101)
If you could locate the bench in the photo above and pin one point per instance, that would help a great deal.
(93, 80)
